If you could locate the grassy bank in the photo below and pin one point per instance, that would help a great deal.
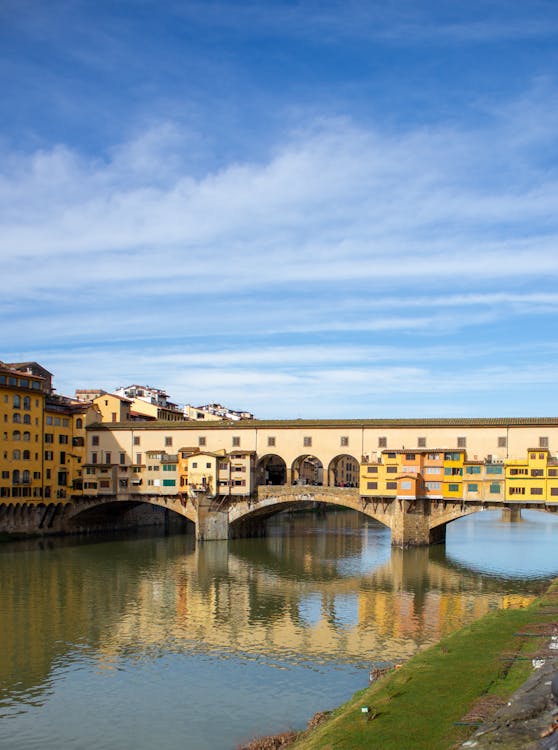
(422, 704)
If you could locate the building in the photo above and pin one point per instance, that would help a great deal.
(215, 412)
(151, 403)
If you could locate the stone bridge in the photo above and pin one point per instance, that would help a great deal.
(412, 523)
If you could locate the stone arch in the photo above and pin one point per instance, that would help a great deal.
(307, 469)
(271, 469)
(343, 471)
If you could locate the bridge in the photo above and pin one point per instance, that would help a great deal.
(412, 522)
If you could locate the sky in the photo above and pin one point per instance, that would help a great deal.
(302, 209)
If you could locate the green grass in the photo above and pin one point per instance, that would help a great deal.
(418, 705)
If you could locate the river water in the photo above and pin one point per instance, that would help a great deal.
(151, 642)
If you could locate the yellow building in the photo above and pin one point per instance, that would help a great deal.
(534, 478)
(22, 399)
(113, 408)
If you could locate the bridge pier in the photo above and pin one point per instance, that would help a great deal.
(511, 514)
(410, 525)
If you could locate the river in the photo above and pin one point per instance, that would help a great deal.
(148, 641)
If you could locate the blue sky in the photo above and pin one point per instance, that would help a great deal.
(304, 209)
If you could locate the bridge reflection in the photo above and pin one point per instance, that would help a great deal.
(342, 595)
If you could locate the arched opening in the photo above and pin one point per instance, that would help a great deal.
(307, 469)
(271, 469)
(344, 471)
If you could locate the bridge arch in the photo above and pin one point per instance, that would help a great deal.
(271, 469)
(343, 471)
(113, 507)
(307, 469)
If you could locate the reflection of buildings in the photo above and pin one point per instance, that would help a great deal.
(298, 596)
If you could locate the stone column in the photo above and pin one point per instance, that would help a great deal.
(511, 514)
(410, 525)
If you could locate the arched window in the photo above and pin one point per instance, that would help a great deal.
(16, 435)
(26, 455)
(15, 476)
(17, 401)
(79, 423)
(16, 454)
(26, 477)
(16, 418)
(27, 436)
(26, 419)
(26, 402)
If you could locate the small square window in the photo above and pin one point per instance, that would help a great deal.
(271, 442)
(502, 442)
(95, 440)
(136, 440)
(344, 441)
(543, 442)
(382, 442)
(461, 442)
(307, 442)
(201, 441)
(168, 441)
(236, 442)
(421, 442)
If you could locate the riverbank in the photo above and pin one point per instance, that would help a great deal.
(441, 696)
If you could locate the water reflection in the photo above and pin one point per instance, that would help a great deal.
(325, 593)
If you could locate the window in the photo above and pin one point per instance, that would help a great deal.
(169, 482)
(62, 439)
(208, 466)
(168, 441)
(543, 442)
(344, 441)
(26, 419)
(62, 457)
(382, 442)
(391, 469)
(433, 456)
(391, 485)
(169, 467)
(372, 469)
(79, 423)
(461, 442)
(138, 458)
(433, 485)
(432, 469)
(409, 456)
(553, 472)
(108, 457)
(201, 441)
(307, 442)
(26, 455)
(406, 484)
(16, 455)
(27, 403)
(27, 437)
(93, 458)
(472, 469)
(16, 435)
(536, 490)
(271, 442)
(95, 440)
(553, 490)
(421, 442)
(16, 418)
(537, 472)
(49, 455)
(517, 490)
(16, 402)
(502, 442)
(372, 485)
(194, 464)
(472, 488)
(453, 471)
(136, 440)
(490, 469)
(453, 488)
(494, 488)
(122, 458)
(236, 442)
(5, 475)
